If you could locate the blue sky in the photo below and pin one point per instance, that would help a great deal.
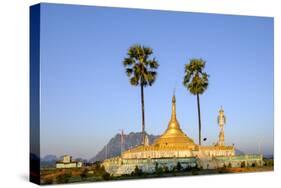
(86, 97)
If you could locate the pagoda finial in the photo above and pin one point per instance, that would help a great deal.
(174, 107)
(174, 93)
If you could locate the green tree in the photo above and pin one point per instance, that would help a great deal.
(137, 172)
(106, 176)
(243, 164)
(84, 174)
(229, 165)
(166, 169)
(141, 70)
(160, 170)
(63, 178)
(196, 81)
(179, 167)
(156, 166)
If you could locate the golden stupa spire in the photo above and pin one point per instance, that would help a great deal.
(173, 134)
(174, 107)
(173, 122)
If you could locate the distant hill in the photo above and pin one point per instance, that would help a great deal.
(239, 152)
(114, 145)
(49, 158)
(48, 161)
(268, 156)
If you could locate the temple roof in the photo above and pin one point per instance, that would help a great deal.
(174, 136)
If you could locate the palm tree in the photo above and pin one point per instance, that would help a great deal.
(141, 71)
(196, 81)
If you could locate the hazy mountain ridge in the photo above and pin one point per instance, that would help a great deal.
(114, 145)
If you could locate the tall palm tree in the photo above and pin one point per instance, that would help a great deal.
(196, 81)
(141, 70)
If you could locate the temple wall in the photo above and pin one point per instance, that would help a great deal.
(118, 166)
(214, 153)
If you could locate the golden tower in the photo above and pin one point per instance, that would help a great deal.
(174, 136)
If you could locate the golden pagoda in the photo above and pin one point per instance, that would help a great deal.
(172, 143)
(174, 136)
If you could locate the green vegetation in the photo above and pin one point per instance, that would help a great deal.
(97, 172)
(268, 162)
(137, 172)
(196, 81)
(141, 71)
(63, 178)
(179, 167)
(84, 174)
(229, 165)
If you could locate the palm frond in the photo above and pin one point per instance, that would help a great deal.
(195, 80)
(129, 72)
(128, 61)
(139, 67)
(134, 81)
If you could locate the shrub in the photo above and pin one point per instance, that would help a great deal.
(159, 171)
(63, 178)
(243, 164)
(179, 167)
(84, 174)
(106, 176)
(229, 165)
(187, 168)
(48, 181)
(137, 171)
(166, 169)
(156, 167)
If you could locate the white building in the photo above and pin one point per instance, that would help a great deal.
(67, 162)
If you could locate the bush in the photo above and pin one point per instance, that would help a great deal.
(243, 164)
(48, 181)
(63, 178)
(179, 167)
(84, 174)
(166, 169)
(137, 172)
(159, 171)
(229, 165)
(156, 167)
(188, 168)
(106, 176)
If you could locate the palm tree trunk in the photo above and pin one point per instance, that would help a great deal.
(199, 118)
(143, 120)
